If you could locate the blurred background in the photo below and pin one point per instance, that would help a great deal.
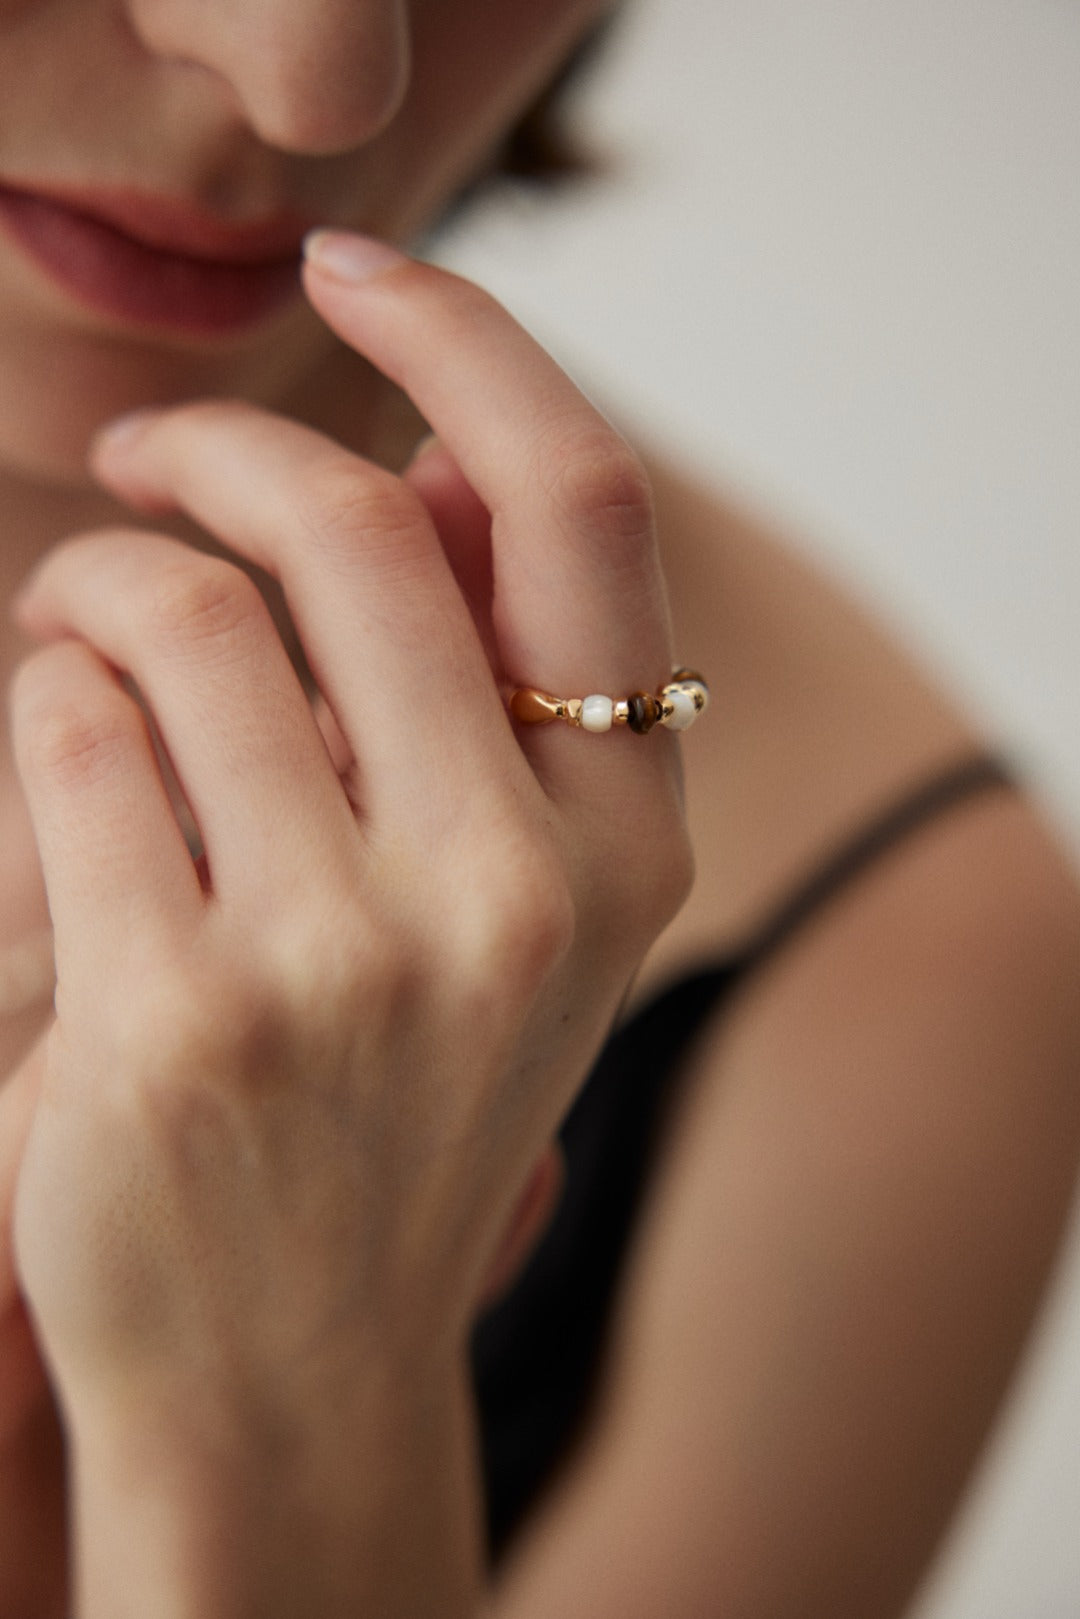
(836, 268)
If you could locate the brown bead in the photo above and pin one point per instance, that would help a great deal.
(688, 677)
(644, 712)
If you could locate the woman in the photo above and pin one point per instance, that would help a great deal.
(334, 953)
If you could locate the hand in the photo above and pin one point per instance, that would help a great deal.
(290, 1098)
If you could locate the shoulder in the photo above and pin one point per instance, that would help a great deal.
(853, 1221)
(922, 1029)
(868, 1169)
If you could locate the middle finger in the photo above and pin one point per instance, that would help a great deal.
(388, 636)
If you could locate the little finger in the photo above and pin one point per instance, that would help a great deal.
(115, 861)
(198, 639)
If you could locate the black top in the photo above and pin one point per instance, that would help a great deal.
(536, 1352)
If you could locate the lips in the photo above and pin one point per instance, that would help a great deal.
(156, 262)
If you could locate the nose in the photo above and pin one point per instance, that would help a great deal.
(313, 77)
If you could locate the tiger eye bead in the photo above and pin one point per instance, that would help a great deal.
(644, 711)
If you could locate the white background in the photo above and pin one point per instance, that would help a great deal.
(838, 269)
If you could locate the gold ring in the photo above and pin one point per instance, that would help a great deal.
(676, 705)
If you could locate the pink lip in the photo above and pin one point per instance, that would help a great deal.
(155, 261)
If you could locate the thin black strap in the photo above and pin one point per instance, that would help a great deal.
(536, 1352)
(931, 798)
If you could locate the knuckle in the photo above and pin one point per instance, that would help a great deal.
(551, 931)
(74, 744)
(373, 978)
(520, 922)
(188, 1044)
(348, 507)
(326, 972)
(203, 603)
(151, 1029)
(600, 482)
(332, 964)
(210, 1056)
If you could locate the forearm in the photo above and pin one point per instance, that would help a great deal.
(211, 1509)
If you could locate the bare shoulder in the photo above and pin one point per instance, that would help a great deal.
(853, 1221)
(865, 1180)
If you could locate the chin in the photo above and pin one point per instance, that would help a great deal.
(58, 387)
(44, 457)
(46, 437)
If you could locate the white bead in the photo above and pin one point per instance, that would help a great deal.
(596, 713)
(683, 712)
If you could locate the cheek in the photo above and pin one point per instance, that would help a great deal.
(476, 66)
(476, 56)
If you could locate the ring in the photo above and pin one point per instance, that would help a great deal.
(676, 705)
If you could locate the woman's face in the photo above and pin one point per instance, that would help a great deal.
(161, 159)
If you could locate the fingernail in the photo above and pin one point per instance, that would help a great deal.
(349, 257)
(123, 430)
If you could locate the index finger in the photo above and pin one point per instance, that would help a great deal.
(579, 594)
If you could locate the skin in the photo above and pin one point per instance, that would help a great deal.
(840, 1339)
(457, 1119)
(345, 111)
(406, 111)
